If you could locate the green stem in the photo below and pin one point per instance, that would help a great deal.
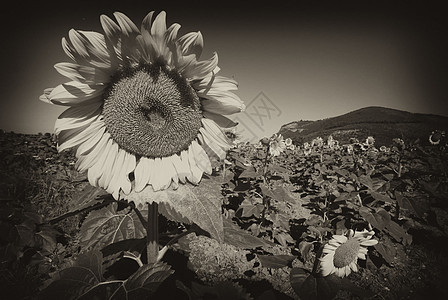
(152, 231)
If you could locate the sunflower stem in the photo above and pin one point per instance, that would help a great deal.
(152, 233)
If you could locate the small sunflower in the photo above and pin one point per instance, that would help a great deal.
(143, 110)
(436, 136)
(342, 252)
(276, 145)
(370, 140)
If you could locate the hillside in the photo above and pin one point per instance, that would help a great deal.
(382, 123)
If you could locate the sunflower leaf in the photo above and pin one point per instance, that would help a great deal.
(199, 204)
(107, 225)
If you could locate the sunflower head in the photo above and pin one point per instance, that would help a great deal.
(143, 109)
(342, 252)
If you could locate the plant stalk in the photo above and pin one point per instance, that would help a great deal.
(152, 233)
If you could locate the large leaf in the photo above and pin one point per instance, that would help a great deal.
(379, 219)
(72, 282)
(89, 196)
(247, 209)
(199, 204)
(107, 225)
(275, 261)
(84, 280)
(239, 238)
(399, 233)
(140, 285)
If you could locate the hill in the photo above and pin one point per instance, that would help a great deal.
(382, 123)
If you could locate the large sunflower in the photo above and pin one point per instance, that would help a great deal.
(143, 109)
(342, 252)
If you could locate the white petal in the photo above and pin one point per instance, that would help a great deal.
(220, 119)
(88, 160)
(192, 43)
(109, 166)
(77, 116)
(209, 146)
(200, 69)
(74, 93)
(128, 27)
(96, 171)
(182, 167)
(142, 174)
(159, 178)
(91, 142)
(224, 104)
(196, 172)
(216, 133)
(202, 160)
(83, 74)
(76, 136)
(128, 167)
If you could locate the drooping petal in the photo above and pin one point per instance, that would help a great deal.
(83, 74)
(90, 158)
(96, 171)
(77, 116)
(216, 133)
(182, 168)
(209, 146)
(75, 136)
(224, 103)
(142, 173)
(196, 172)
(215, 82)
(220, 120)
(74, 93)
(87, 48)
(202, 160)
(109, 166)
(199, 69)
(192, 43)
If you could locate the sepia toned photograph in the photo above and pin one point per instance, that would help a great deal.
(223, 150)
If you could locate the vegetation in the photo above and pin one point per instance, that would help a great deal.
(384, 124)
(255, 229)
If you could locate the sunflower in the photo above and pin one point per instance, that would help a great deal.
(276, 145)
(143, 110)
(342, 252)
(436, 136)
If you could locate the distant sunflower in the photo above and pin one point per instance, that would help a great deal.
(342, 252)
(143, 109)
(276, 145)
(436, 136)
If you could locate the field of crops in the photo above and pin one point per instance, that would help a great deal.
(257, 228)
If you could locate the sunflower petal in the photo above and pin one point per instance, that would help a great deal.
(220, 120)
(74, 93)
(83, 74)
(196, 172)
(77, 116)
(128, 27)
(109, 166)
(216, 133)
(202, 160)
(200, 69)
(192, 43)
(89, 159)
(224, 103)
(142, 173)
(96, 171)
(182, 167)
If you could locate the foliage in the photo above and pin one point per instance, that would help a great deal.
(254, 229)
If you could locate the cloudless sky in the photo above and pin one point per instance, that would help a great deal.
(292, 61)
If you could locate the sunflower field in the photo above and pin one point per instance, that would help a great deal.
(274, 220)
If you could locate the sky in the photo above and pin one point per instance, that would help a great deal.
(300, 61)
